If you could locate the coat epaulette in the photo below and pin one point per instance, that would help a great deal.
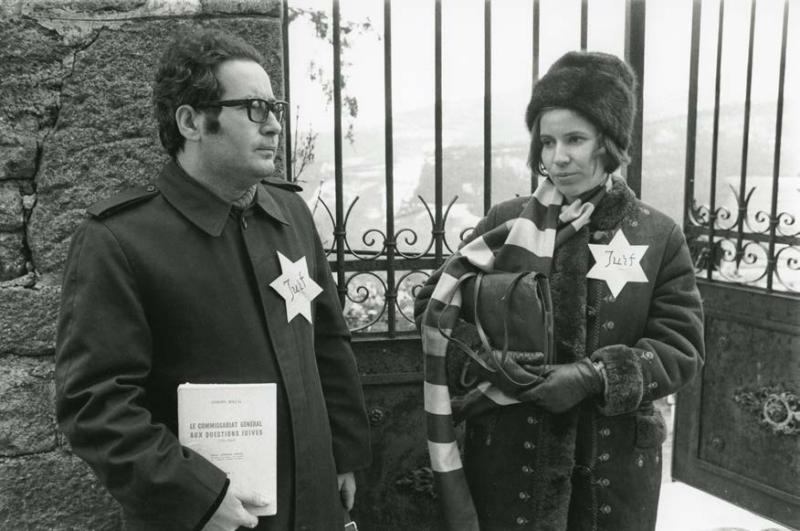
(282, 183)
(122, 200)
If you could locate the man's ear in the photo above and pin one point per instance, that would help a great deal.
(190, 122)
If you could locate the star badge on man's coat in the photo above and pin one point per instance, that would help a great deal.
(296, 287)
(617, 263)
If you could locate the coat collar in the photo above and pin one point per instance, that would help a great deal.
(200, 206)
(618, 203)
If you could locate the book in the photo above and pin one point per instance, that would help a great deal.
(233, 426)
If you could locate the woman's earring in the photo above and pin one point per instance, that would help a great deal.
(543, 171)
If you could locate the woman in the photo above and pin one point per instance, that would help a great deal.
(576, 445)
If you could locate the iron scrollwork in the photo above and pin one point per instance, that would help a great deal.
(776, 408)
(367, 294)
(734, 246)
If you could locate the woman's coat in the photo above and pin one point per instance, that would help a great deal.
(602, 471)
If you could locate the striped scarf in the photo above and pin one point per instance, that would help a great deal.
(526, 243)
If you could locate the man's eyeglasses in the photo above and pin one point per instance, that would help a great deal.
(257, 109)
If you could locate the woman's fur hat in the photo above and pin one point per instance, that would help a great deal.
(599, 86)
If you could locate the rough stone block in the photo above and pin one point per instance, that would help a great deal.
(10, 208)
(27, 394)
(39, 8)
(54, 491)
(17, 154)
(28, 319)
(106, 138)
(263, 7)
(12, 255)
(31, 71)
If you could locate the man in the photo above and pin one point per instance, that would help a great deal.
(173, 283)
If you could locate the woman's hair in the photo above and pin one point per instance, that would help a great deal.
(611, 155)
(186, 76)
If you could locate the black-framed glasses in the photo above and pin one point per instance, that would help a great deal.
(257, 109)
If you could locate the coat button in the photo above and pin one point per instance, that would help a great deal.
(531, 420)
(604, 482)
(649, 355)
(634, 223)
(529, 445)
(608, 325)
(604, 457)
(605, 432)
(598, 235)
(524, 495)
(526, 469)
(652, 385)
(521, 520)
(605, 509)
(150, 188)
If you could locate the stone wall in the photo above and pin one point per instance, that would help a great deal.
(75, 126)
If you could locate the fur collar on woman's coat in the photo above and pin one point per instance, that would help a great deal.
(571, 264)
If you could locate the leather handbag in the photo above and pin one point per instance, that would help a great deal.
(513, 315)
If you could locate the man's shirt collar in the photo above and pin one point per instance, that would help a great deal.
(201, 206)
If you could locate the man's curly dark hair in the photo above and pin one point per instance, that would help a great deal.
(185, 76)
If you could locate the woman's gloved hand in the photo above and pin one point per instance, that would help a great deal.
(510, 375)
(564, 386)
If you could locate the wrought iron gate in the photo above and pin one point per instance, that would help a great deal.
(737, 431)
(748, 392)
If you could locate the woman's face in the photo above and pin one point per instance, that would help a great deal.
(570, 152)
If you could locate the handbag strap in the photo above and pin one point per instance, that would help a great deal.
(543, 286)
(543, 291)
(457, 342)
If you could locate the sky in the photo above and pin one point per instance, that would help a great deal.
(667, 46)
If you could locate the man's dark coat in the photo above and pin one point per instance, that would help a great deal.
(168, 285)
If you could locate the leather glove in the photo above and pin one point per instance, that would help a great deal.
(564, 386)
(511, 375)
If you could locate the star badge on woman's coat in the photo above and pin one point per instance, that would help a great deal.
(296, 287)
(617, 263)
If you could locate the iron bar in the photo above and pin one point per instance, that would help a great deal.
(339, 228)
(535, 43)
(746, 135)
(584, 24)
(438, 228)
(732, 234)
(487, 106)
(691, 119)
(287, 123)
(776, 164)
(535, 71)
(712, 203)
(634, 54)
(380, 264)
(391, 290)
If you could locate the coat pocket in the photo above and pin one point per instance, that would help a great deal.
(651, 430)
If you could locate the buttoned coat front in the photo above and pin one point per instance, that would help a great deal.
(167, 285)
(599, 467)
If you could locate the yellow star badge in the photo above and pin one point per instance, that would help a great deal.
(296, 287)
(617, 263)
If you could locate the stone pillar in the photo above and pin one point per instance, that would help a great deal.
(76, 126)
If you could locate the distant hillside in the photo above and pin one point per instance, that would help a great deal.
(663, 172)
